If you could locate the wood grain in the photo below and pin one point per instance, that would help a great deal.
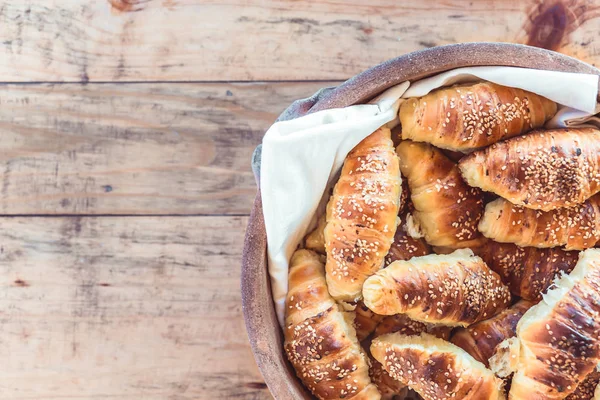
(135, 148)
(124, 308)
(207, 40)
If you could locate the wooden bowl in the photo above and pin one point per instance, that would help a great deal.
(259, 313)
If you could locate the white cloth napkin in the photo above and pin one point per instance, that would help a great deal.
(301, 157)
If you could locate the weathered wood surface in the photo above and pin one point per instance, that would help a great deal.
(207, 40)
(148, 307)
(135, 148)
(124, 308)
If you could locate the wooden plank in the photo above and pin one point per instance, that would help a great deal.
(123, 308)
(141, 40)
(135, 148)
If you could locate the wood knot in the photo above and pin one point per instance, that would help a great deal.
(548, 28)
(21, 283)
(128, 5)
(550, 23)
(256, 385)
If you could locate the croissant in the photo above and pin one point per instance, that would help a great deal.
(446, 209)
(405, 247)
(435, 368)
(560, 337)
(480, 339)
(387, 386)
(402, 324)
(575, 228)
(320, 341)
(586, 389)
(315, 240)
(468, 117)
(361, 215)
(542, 170)
(365, 321)
(528, 271)
(457, 289)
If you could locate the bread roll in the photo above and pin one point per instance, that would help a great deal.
(361, 215)
(455, 290)
(575, 228)
(446, 208)
(315, 240)
(320, 340)
(587, 388)
(365, 321)
(560, 336)
(434, 368)
(543, 170)
(481, 339)
(405, 247)
(402, 324)
(528, 271)
(472, 116)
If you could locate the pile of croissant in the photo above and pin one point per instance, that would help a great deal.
(458, 263)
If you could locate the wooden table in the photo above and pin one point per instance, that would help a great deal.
(127, 129)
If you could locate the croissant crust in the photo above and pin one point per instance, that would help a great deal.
(560, 336)
(473, 116)
(575, 228)
(361, 215)
(480, 339)
(528, 271)
(434, 368)
(320, 340)
(542, 170)
(455, 290)
(446, 208)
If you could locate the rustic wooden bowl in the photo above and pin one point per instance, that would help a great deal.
(259, 313)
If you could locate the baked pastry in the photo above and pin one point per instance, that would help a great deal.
(402, 324)
(543, 170)
(559, 337)
(365, 321)
(457, 289)
(468, 117)
(389, 387)
(405, 247)
(480, 339)
(447, 210)
(315, 240)
(528, 271)
(435, 368)
(587, 388)
(361, 215)
(320, 340)
(575, 228)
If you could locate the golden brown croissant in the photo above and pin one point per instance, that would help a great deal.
(560, 336)
(402, 324)
(320, 340)
(457, 289)
(586, 389)
(468, 117)
(365, 321)
(405, 247)
(446, 208)
(435, 368)
(480, 339)
(361, 215)
(315, 240)
(575, 228)
(542, 170)
(387, 386)
(528, 271)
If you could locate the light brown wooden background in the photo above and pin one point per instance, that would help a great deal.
(126, 130)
